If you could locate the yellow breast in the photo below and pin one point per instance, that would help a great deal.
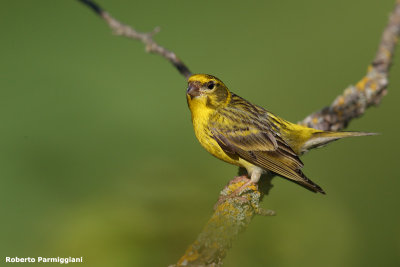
(200, 120)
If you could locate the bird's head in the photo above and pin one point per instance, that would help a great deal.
(207, 91)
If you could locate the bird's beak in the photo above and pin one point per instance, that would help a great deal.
(193, 90)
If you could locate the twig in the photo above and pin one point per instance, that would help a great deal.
(232, 215)
(146, 38)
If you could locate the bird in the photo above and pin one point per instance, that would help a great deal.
(246, 135)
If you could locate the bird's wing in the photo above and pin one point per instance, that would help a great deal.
(259, 147)
(257, 143)
(247, 138)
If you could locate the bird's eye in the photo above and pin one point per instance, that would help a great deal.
(210, 85)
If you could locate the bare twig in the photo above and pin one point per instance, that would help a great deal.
(232, 215)
(146, 38)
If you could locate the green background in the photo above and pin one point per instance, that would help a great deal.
(98, 158)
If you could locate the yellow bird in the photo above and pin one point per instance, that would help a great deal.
(240, 133)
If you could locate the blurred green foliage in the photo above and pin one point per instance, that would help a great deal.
(97, 154)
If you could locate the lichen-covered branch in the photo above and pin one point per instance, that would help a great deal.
(369, 91)
(146, 38)
(233, 215)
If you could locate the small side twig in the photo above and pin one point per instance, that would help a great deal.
(146, 38)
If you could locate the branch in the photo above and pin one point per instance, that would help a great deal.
(233, 215)
(368, 91)
(146, 38)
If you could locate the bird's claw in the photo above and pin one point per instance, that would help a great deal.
(235, 193)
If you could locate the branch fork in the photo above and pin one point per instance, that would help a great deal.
(233, 214)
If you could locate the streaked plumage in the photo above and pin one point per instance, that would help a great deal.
(238, 132)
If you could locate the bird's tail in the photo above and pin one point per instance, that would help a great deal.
(321, 138)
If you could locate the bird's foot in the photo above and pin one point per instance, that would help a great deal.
(234, 190)
(247, 183)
